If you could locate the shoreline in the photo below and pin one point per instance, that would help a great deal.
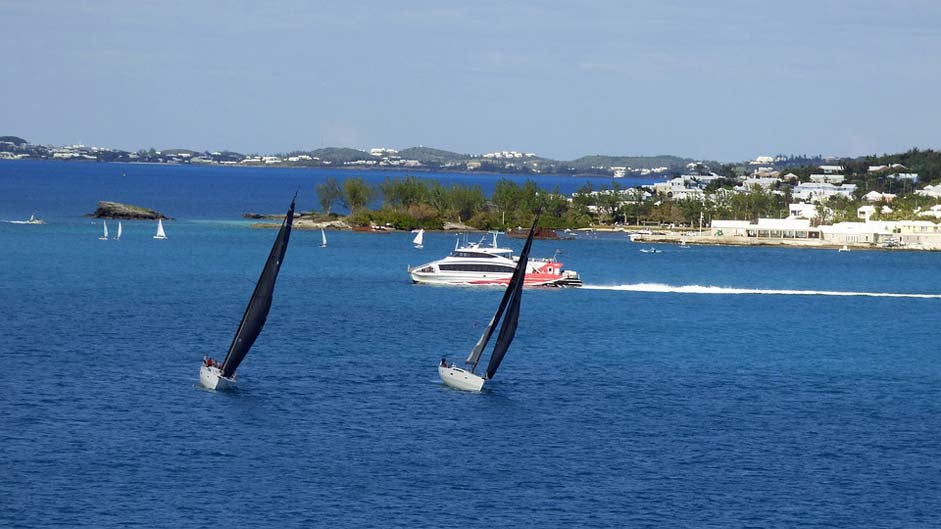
(712, 240)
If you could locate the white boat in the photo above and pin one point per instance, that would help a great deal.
(160, 233)
(509, 310)
(650, 250)
(419, 239)
(476, 264)
(104, 236)
(323, 238)
(216, 375)
(845, 248)
(32, 220)
(117, 236)
(683, 244)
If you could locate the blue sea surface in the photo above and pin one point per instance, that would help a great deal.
(700, 387)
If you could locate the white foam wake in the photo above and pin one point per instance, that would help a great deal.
(699, 289)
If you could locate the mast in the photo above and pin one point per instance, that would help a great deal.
(513, 291)
(260, 303)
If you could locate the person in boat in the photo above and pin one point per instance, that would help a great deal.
(444, 362)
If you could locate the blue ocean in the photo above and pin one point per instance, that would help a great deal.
(699, 387)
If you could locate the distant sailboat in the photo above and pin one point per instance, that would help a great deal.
(419, 239)
(509, 309)
(323, 238)
(160, 233)
(118, 236)
(214, 375)
(104, 236)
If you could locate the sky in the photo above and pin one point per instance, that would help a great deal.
(722, 80)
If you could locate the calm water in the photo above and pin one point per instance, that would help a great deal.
(617, 406)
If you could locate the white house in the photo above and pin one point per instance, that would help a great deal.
(827, 178)
(865, 212)
(933, 211)
(810, 191)
(831, 169)
(764, 182)
(875, 196)
(911, 177)
(930, 191)
(802, 210)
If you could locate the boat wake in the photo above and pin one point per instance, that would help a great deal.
(699, 289)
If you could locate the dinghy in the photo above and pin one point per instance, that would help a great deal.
(160, 233)
(509, 310)
(215, 375)
(323, 238)
(419, 239)
(104, 236)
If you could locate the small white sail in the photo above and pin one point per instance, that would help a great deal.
(104, 237)
(118, 236)
(323, 238)
(419, 239)
(160, 233)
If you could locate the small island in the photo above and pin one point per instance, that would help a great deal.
(117, 210)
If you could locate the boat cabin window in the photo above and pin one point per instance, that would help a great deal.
(473, 254)
(476, 268)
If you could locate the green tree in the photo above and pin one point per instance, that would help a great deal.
(328, 193)
(357, 193)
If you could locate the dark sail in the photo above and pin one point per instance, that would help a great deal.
(511, 318)
(257, 311)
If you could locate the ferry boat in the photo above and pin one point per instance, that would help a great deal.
(477, 264)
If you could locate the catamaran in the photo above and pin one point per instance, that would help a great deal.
(509, 310)
(117, 236)
(160, 233)
(215, 375)
(419, 239)
(323, 238)
(104, 236)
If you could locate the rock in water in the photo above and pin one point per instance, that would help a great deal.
(116, 210)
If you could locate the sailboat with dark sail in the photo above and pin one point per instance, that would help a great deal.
(509, 311)
(216, 375)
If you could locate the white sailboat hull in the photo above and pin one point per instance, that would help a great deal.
(211, 378)
(458, 378)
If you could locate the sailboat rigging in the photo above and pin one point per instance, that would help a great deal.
(216, 375)
(509, 311)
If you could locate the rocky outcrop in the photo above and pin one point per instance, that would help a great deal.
(309, 224)
(457, 226)
(117, 210)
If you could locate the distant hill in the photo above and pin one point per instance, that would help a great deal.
(428, 154)
(170, 152)
(636, 162)
(15, 140)
(341, 154)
